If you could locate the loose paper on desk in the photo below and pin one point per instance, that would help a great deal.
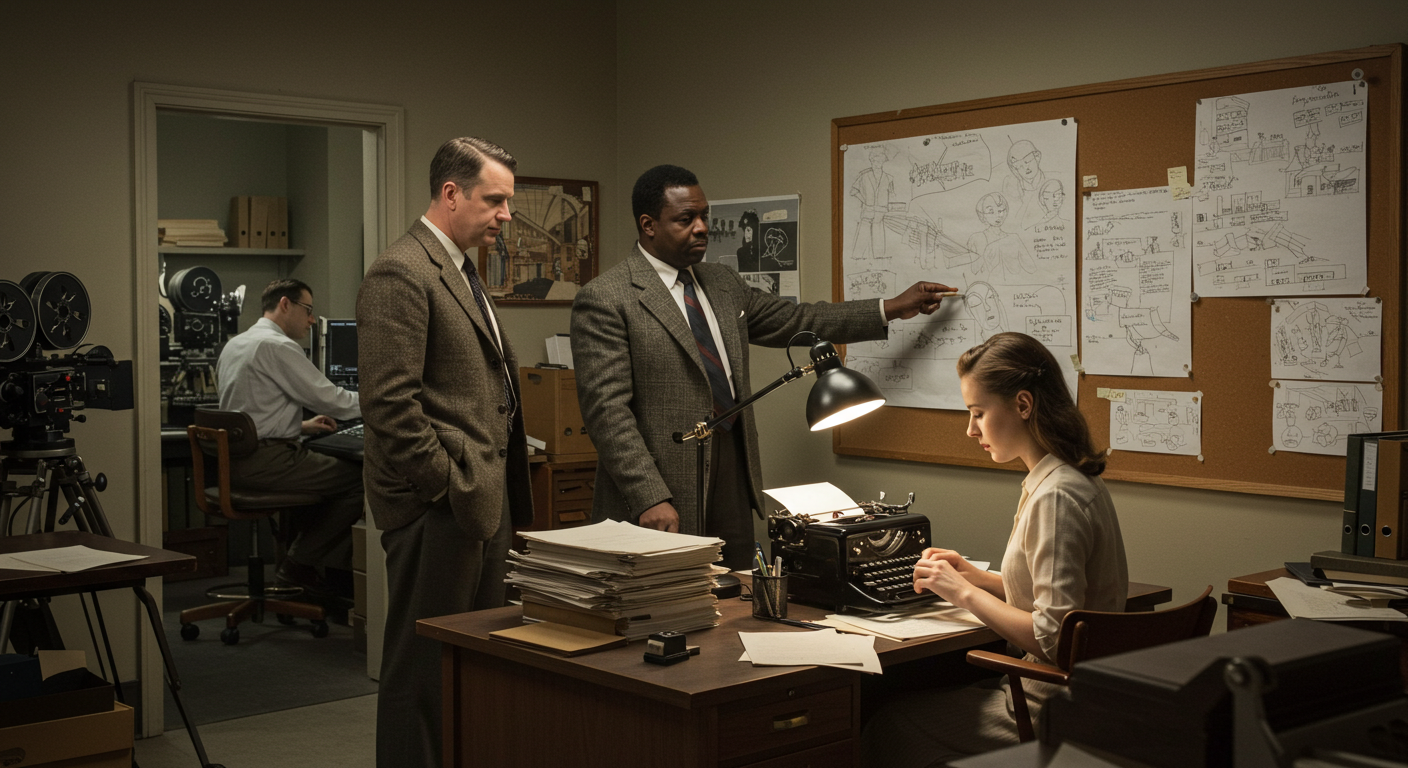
(10, 562)
(815, 500)
(946, 620)
(1304, 602)
(76, 558)
(823, 647)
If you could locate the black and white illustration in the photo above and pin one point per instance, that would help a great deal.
(758, 237)
(1151, 421)
(985, 211)
(1135, 281)
(1279, 207)
(1318, 417)
(1328, 339)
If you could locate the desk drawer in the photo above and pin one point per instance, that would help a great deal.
(578, 484)
(836, 755)
(786, 721)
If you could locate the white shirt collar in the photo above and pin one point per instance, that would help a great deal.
(668, 274)
(456, 255)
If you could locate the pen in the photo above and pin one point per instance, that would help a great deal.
(795, 623)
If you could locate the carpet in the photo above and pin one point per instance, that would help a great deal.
(273, 667)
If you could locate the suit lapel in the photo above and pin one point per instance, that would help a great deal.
(453, 279)
(657, 301)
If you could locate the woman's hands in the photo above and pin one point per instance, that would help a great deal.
(948, 575)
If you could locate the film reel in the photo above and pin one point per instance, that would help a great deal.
(18, 322)
(195, 289)
(61, 303)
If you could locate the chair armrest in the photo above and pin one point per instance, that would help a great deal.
(1021, 667)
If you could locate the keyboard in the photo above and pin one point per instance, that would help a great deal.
(345, 443)
(887, 579)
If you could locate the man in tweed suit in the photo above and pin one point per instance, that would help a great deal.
(643, 373)
(446, 469)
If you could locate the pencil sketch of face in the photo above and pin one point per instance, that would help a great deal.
(1024, 160)
(877, 159)
(992, 209)
(985, 307)
(747, 233)
(1053, 195)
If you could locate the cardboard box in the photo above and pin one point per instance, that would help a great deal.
(92, 695)
(551, 412)
(101, 740)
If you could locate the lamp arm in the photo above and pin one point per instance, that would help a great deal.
(705, 429)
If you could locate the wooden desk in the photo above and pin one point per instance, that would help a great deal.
(506, 705)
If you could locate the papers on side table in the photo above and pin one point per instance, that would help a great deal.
(63, 559)
(1303, 602)
(822, 647)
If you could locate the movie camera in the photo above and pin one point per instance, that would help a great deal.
(39, 395)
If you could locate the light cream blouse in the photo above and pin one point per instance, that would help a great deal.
(1066, 552)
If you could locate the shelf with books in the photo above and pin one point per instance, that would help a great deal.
(226, 251)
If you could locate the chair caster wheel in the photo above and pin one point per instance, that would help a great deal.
(230, 635)
(286, 619)
(189, 631)
(320, 629)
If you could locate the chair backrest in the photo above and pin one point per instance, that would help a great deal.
(1092, 634)
(222, 435)
(243, 438)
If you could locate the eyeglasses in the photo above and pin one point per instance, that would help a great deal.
(308, 307)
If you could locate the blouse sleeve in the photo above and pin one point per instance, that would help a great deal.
(1058, 539)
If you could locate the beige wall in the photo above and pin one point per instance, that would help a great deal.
(537, 76)
(743, 94)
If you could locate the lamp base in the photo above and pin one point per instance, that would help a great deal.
(729, 587)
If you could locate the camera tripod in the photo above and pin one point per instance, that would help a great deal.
(59, 471)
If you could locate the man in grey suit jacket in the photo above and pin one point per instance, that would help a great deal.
(446, 469)
(642, 373)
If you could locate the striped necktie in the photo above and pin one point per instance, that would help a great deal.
(704, 339)
(476, 288)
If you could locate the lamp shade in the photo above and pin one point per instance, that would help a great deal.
(839, 395)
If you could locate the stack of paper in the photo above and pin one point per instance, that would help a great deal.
(929, 620)
(201, 232)
(618, 578)
(824, 647)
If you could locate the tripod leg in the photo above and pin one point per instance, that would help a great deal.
(107, 645)
(172, 680)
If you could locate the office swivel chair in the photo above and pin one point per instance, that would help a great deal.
(225, 435)
(1092, 634)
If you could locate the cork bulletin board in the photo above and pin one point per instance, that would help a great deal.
(1130, 133)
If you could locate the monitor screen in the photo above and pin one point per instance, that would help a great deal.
(339, 349)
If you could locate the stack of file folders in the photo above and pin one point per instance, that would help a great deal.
(618, 578)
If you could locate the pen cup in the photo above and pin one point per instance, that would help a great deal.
(769, 596)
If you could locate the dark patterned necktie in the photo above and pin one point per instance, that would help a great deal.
(704, 339)
(476, 288)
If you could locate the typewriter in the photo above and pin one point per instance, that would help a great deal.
(853, 563)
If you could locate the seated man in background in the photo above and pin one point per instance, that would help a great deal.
(265, 373)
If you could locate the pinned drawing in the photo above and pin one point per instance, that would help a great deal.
(1331, 339)
(1279, 208)
(758, 237)
(1317, 418)
(983, 210)
(1152, 421)
(1135, 284)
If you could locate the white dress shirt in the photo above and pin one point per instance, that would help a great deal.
(266, 374)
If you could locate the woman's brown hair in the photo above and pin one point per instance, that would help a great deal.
(1008, 363)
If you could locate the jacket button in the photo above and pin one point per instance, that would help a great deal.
(503, 409)
(503, 452)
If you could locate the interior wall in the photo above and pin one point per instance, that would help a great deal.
(743, 95)
(537, 76)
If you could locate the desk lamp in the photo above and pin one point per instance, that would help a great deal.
(838, 396)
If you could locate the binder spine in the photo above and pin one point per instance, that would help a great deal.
(1351, 518)
(1368, 499)
(1353, 460)
(1388, 542)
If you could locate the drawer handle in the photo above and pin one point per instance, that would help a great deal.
(569, 488)
(788, 723)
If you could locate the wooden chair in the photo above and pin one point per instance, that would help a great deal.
(225, 435)
(1092, 634)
